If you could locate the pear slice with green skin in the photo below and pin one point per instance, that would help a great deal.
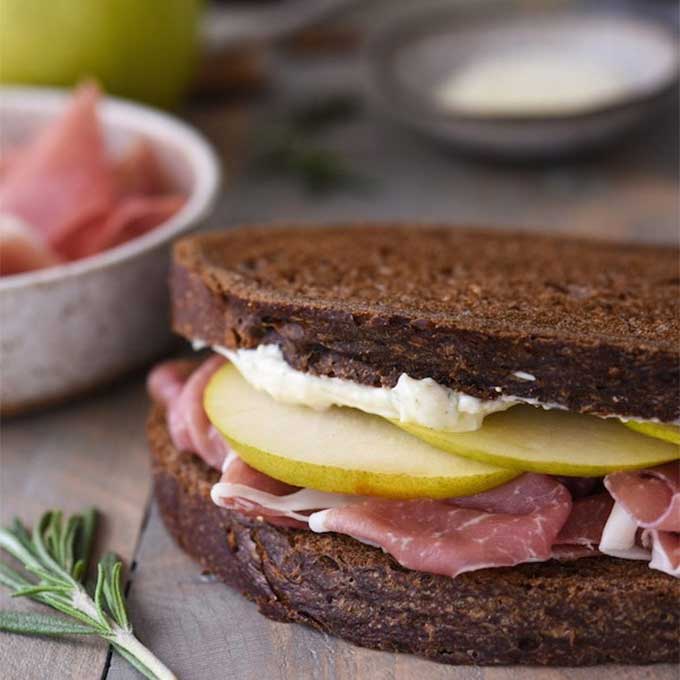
(669, 433)
(552, 442)
(338, 450)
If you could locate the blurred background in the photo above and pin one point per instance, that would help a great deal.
(340, 109)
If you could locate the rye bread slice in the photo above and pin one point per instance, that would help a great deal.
(590, 611)
(596, 324)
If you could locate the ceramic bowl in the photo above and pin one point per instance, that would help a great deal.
(67, 329)
(410, 61)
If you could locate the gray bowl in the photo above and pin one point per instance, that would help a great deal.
(408, 62)
(66, 329)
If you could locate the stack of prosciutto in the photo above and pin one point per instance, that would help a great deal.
(63, 197)
(533, 518)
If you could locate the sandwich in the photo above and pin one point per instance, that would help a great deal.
(451, 442)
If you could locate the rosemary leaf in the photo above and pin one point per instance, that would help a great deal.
(321, 114)
(292, 147)
(52, 536)
(45, 575)
(99, 590)
(21, 534)
(11, 579)
(15, 547)
(66, 606)
(67, 542)
(34, 590)
(42, 537)
(83, 545)
(113, 590)
(78, 572)
(29, 623)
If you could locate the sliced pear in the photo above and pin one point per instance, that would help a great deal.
(339, 450)
(669, 433)
(553, 442)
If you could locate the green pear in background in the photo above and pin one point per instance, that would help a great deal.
(139, 49)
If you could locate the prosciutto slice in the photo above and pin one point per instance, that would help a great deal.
(581, 534)
(509, 525)
(645, 520)
(71, 198)
(181, 394)
(515, 523)
(252, 492)
(650, 496)
(139, 172)
(586, 521)
(131, 217)
(62, 179)
(166, 381)
(21, 250)
(256, 494)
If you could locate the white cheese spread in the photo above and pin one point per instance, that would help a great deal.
(424, 402)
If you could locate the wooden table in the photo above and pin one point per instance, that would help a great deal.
(93, 451)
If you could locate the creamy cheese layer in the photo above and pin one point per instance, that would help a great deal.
(424, 402)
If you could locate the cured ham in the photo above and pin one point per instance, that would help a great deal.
(665, 547)
(645, 520)
(62, 179)
(166, 380)
(256, 494)
(252, 492)
(20, 249)
(580, 536)
(650, 496)
(72, 199)
(531, 518)
(515, 523)
(139, 172)
(580, 487)
(180, 391)
(586, 521)
(130, 218)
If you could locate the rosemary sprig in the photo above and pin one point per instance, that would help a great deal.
(319, 114)
(56, 556)
(291, 147)
(320, 170)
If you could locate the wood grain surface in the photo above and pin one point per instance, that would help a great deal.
(93, 451)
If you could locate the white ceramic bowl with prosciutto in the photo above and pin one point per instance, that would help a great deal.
(69, 328)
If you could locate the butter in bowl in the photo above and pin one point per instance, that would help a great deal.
(524, 84)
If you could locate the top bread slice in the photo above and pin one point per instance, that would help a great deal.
(591, 326)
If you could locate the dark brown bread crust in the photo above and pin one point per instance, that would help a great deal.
(585, 612)
(597, 324)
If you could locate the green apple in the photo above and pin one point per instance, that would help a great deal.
(140, 49)
(553, 442)
(338, 450)
(669, 433)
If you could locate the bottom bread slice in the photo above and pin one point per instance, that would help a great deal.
(589, 611)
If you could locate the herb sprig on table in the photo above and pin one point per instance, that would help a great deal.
(55, 556)
(290, 147)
